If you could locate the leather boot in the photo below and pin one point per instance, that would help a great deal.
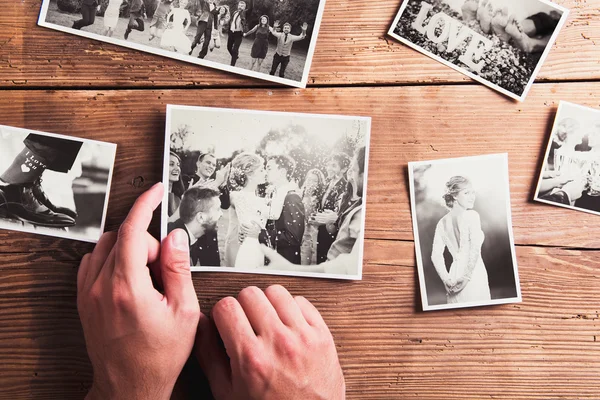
(39, 194)
(19, 202)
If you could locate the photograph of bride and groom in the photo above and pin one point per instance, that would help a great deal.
(267, 192)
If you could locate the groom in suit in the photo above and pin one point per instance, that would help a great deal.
(285, 227)
(199, 211)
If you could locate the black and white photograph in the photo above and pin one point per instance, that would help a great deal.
(54, 185)
(267, 192)
(570, 175)
(500, 43)
(264, 39)
(463, 232)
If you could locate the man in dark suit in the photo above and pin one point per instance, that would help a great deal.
(239, 25)
(285, 233)
(337, 166)
(199, 211)
(205, 14)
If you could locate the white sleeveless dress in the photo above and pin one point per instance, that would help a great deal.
(248, 208)
(175, 36)
(466, 257)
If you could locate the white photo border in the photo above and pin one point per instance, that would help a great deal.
(477, 78)
(61, 234)
(561, 105)
(265, 271)
(194, 60)
(503, 157)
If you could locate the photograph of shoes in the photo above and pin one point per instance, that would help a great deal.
(45, 179)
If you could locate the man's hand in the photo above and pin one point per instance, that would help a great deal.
(304, 26)
(276, 347)
(137, 338)
(249, 230)
(326, 217)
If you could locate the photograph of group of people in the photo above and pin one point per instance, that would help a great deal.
(570, 174)
(500, 43)
(54, 185)
(266, 39)
(463, 232)
(267, 192)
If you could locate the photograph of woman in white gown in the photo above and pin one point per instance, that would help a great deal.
(460, 232)
(463, 232)
(175, 36)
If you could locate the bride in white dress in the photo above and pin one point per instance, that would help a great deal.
(247, 172)
(174, 36)
(460, 232)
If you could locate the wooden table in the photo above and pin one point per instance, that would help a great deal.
(547, 347)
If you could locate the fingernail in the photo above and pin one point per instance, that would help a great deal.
(180, 240)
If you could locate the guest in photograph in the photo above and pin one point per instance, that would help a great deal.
(260, 47)
(21, 193)
(174, 37)
(285, 227)
(285, 41)
(205, 17)
(343, 257)
(200, 211)
(325, 219)
(565, 133)
(137, 12)
(247, 208)
(176, 188)
(88, 14)
(238, 26)
(111, 17)
(552, 181)
(312, 193)
(220, 26)
(459, 231)
(159, 23)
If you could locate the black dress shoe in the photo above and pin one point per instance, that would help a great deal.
(19, 202)
(39, 194)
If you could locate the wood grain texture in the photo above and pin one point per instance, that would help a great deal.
(546, 347)
(408, 124)
(353, 48)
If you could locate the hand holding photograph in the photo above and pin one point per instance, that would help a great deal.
(256, 186)
(570, 175)
(463, 232)
(500, 43)
(231, 35)
(54, 185)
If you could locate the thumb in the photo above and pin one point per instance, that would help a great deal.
(213, 360)
(175, 269)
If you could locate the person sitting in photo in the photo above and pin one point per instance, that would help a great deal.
(111, 16)
(159, 20)
(137, 13)
(260, 47)
(176, 188)
(534, 32)
(21, 193)
(174, 37)
(88, 14)
(199, 211)
(312, 194)
(565, 133)
(285, 41)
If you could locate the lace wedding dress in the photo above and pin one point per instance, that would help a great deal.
(248, 209)
(463, 239)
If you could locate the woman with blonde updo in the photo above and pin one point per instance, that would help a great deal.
(247, 172)
(460, 232)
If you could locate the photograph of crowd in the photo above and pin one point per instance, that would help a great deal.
(500, 43)
(267, 192)
(570, 175)
(265, 39)
(463, 232)
(54, 185)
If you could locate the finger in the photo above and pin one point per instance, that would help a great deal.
(259, 310)
(286, 307)
(175, 271)
(82, 272)
(212, 358)
(132, 250)
(311, 314)
(233, 326)
(99, 257)
(154, 259)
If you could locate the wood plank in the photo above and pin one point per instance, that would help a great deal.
(353, 48)
(409, 124)
(546, 347)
